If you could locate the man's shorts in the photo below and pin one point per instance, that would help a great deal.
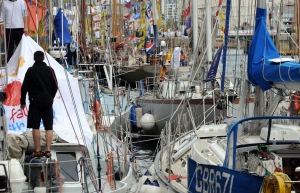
(37, 113)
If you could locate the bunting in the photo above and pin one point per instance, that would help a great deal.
(141, 45)
(159, 15)
(137, 15)
(127, 16)
(128, 4)
(149, 11)
(142, 21)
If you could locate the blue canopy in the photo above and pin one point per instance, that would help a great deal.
(261, 71)
(58, 23)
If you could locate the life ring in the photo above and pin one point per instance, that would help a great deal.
(275, 183)
(97, 113)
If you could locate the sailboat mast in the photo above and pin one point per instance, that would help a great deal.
(208, 31)
(114, 18)
(120, 20)
(50, 21)
(83, 33)
(279, 26)
(195, 24)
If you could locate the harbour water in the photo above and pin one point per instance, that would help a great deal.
(145, 154)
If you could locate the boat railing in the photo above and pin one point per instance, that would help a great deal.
(242, 132)
(149, 83)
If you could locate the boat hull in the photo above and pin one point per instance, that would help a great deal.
(137, 73)
(162, 110)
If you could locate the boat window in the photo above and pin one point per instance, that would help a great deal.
(68, 165)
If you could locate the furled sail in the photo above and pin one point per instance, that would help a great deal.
(265, 68)
(61, 28)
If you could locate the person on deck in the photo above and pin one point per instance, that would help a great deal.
(162, 73)
(15, 14)
(41, 85)
(182, 62)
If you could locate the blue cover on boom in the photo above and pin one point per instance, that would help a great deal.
(262, 71)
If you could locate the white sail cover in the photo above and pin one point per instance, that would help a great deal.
(63, 107)
(175, 60)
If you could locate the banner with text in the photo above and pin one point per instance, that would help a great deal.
(65, 120)
(209, 178)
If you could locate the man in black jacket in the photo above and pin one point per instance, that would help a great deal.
(41, 84)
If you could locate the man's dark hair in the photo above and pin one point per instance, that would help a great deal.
(38, 56)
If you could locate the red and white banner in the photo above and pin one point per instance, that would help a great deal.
(63, 107)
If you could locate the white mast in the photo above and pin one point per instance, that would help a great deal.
(195, 23)
(50, 22)
(208, 30)
(262, 4)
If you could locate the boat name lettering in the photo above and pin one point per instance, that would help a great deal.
(208, 180)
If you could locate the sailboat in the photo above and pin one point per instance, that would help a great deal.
(185, 93)
(261, 151)
(85, 157)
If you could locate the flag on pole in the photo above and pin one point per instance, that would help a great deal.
(149, 47)
(149, 11)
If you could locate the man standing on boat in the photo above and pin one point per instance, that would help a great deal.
(41, 84)
(15, 14)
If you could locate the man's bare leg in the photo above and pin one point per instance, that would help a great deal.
(49, 135)
(37, 139)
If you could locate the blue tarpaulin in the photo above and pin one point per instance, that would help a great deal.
(262, 71)
(58, 23)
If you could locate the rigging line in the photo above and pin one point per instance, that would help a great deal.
(76, 111)
(113, 149)
(212, 109)
(237, 42)
(288, 34)
(96, 88)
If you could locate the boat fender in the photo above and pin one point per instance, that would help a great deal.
(147, 121)
(139, 114)
(275, 183)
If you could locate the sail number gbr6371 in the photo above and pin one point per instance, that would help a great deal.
(211, 180)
